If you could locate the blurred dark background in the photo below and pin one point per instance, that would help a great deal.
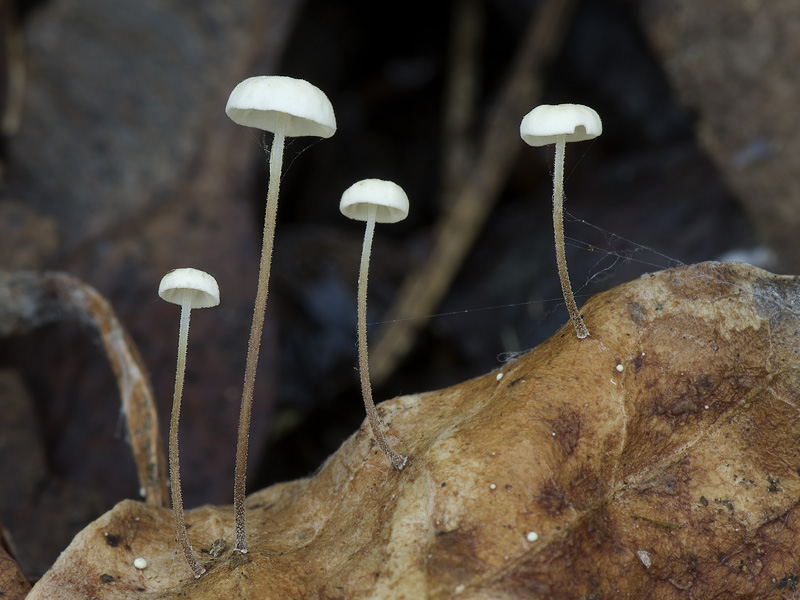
(117, 164)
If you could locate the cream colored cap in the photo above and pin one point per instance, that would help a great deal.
(388, 197)
(259, 102)
(179, 283)
(546, 122)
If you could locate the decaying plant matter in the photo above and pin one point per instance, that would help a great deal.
(31, 299)
(657, 457)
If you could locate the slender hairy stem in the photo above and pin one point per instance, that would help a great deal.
(558, 226)
(174, 463)
(398, 460)
(239, 487)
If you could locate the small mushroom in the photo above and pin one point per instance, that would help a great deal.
(558, 124)
(373, 201)
(286, 107)
(189, 288)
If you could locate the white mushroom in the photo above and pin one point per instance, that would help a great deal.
(286, 107)
(189, 288)
(373, 201)
(559, 124)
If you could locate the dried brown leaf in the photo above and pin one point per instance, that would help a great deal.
(30, 299)
(657, 457)
(13, 584)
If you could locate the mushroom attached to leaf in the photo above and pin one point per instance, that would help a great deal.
(286, 107)
(558, 124)
(188, 288)
(373, 201)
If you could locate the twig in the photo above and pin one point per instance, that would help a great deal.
(12, 70)
(461, 222)
(461, 95)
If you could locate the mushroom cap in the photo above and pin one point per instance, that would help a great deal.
(546, 122)
(388, 197)
(202, 287)
(260, 101)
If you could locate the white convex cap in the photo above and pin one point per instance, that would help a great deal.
(261, 101)
(546, 122)
(177, 284)
(389, 199)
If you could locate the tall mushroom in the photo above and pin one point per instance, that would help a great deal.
(189, 288)
(286, 107)
(558, 124)
(373, 201)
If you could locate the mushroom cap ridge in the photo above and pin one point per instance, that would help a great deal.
(260, 101)
(179, 282)
(546, 122)
(388, 197)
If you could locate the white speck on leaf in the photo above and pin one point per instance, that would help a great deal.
(644, 556)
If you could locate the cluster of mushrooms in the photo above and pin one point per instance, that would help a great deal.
(289, 107)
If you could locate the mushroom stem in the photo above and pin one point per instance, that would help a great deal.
(398, 461)
(558, 226)
(174, 464)
(239, 487)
